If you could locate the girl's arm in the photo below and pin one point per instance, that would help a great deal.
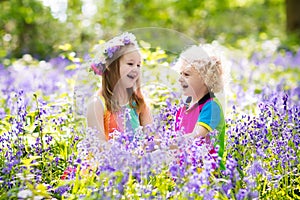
(95, 113)
(145, 116)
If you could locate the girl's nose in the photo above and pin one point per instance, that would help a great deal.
(136, 69)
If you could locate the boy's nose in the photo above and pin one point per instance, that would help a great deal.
(180, 78)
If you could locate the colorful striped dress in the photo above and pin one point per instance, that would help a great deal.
(127, 119)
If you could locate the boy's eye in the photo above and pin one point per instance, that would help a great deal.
(184, 74)
(130, 64)
(138, 65)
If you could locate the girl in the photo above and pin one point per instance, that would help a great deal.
(119, 104)
(200, 78)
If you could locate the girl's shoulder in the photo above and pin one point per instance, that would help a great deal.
(101, 98)
(97, 101)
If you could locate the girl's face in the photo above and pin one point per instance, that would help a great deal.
(130, 64)
(191, 81)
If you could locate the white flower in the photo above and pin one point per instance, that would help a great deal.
(38, 198)
(23, 194)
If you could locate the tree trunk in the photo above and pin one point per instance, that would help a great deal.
(293, 16)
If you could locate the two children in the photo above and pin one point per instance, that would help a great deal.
(119, 65)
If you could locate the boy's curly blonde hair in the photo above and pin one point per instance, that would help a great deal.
(208, 65)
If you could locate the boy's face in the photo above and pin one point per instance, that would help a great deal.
(130, 64)
(191, 81)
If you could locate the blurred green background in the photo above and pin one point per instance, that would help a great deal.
(45, 28)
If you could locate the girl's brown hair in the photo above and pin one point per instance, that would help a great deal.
(112, 75)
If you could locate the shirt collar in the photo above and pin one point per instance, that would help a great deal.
(201, 101)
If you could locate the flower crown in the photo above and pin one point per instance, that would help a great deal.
(107, 50)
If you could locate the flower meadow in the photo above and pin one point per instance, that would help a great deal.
(47, 152)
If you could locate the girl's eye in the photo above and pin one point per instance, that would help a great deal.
(185, 74)
(132, 64)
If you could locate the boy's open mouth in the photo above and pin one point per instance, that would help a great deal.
(184, 86)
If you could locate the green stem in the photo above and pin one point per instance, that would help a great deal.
(40, 123)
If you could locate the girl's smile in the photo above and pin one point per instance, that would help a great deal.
(132, 74)
(130, 64)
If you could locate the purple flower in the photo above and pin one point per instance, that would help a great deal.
(62, 189)
(2, 113)
(111, 50)
(242, 194)
(59, 62)
(126, 40)
(227, 187)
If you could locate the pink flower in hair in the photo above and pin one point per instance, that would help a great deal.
(98, 68)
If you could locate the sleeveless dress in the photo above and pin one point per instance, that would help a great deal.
(127, 119)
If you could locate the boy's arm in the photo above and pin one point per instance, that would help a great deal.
(208, 120)
(199, 131)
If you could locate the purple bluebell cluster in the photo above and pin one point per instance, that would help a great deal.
(44, 144)
(31, 126)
